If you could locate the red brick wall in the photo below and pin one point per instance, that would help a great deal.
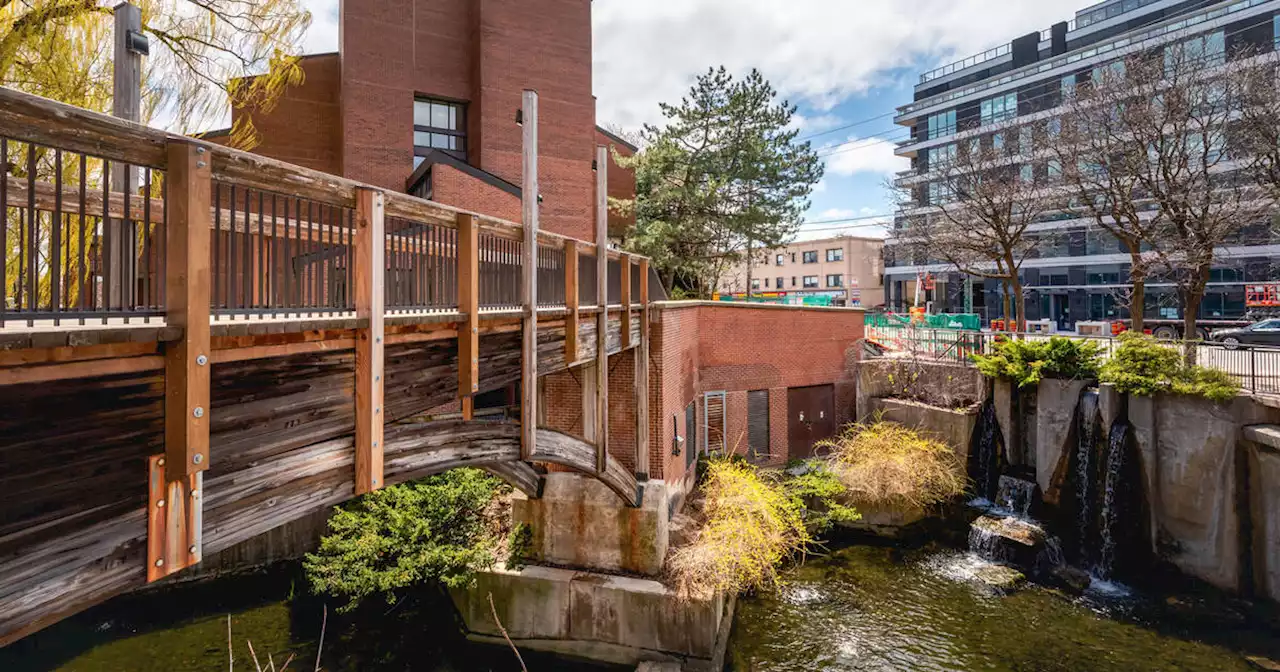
(483, 52)
(305, 128)
(454, 187)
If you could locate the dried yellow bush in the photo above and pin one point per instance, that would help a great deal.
(886, 464)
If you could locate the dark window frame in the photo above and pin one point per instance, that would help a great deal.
(460, 118)
(810, 257)
(835, 254)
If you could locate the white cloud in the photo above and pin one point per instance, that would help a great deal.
(835, 213)
(815, 124)
(863, 155)
(866, 212)
(816, 51)
(322, 36)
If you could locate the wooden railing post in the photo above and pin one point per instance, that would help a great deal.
(469, 306)
(175, 503)
(624, 263)
(602, 298)
(529, 351)
(370, 299)
(571, 302)
(642, 378)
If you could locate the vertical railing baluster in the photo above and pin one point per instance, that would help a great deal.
(128, 250)
(33, 227)
(4, 229)
(148, 248)
(55, 241)
(217, 245)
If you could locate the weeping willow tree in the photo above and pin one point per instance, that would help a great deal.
(206, 56)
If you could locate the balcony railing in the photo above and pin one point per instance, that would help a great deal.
(86, 225)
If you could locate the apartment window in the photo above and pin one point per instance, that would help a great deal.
(1027, 173)
(793, 281)
(1068, 87)
(942, 156)
(1201, 51)
(811, 257)
(1000, 108)
(997, 141)
(755, 283)
(810, 282)
(1053, 172)
(778, 260)
(1111, 72)
(942, 123)
(835, 281)
(835, 255)
(793, 257)
(778, 284)
(441, 125)
(1025, 142)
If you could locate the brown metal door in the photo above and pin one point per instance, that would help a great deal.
(810, 417)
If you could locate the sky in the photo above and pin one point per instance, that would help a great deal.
(846, 64)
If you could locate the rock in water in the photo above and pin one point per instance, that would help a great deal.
(1001, 578)
(1007, 540)
(1070, 579)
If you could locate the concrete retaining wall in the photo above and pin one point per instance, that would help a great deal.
(1056, 405)
(883, 378)
(603, 618)
(952, 426)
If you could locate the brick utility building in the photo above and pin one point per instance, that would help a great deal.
(422, 98)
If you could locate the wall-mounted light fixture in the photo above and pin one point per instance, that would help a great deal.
(520, 117)
(677, 441)
(137, 43)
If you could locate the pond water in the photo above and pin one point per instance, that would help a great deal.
(871, 608)
(184, 629)
(879, 608)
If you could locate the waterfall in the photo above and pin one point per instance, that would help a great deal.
(1088, 430)
(1114, 513)
(1016, 495)
(989, 545)
(985, 461)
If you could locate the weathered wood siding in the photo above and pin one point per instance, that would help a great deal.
(73, 488)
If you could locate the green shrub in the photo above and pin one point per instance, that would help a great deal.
(886, 464)
(442, 528)
(1143, 366)
(1026, 362)
(820, 490)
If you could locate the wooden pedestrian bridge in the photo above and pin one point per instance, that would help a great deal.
(198, 345)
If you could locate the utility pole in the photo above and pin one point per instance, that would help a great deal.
(126, 103)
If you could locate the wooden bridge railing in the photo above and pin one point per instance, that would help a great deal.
(201, 233)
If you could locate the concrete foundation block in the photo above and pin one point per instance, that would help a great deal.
(610, 619)
(1056, 403)
(581, 523)
(951, 426)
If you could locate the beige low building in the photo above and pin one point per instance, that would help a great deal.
(847, 269)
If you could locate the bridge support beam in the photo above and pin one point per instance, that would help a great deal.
(571, 302)
(370, 298)
(642, 379)
(174, 512)
(529, 350)
(469, 306)
(602, 299)
(624, 264)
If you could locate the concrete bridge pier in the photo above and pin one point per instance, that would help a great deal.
(593, 590)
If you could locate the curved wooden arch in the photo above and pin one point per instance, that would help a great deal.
(416, 450)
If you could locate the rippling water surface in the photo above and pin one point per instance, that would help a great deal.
(876, 608)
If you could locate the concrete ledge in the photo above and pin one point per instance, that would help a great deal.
(1263, 435)
(613, 619)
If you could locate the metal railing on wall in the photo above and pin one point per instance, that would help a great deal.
(1256, 368)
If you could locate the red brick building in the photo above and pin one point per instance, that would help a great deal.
(422, 97)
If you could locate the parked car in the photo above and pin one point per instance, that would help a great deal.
(1266, 332)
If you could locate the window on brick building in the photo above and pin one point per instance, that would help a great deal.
(811, 281)
(836, 254)
(793, 281)
(779, 284)
(779, 260)
(755, 283)
(439, 124)
(811, 257)
(835, 281)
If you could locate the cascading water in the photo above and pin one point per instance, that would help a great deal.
(985, 467)
(1115, 513)
(1088, 431)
